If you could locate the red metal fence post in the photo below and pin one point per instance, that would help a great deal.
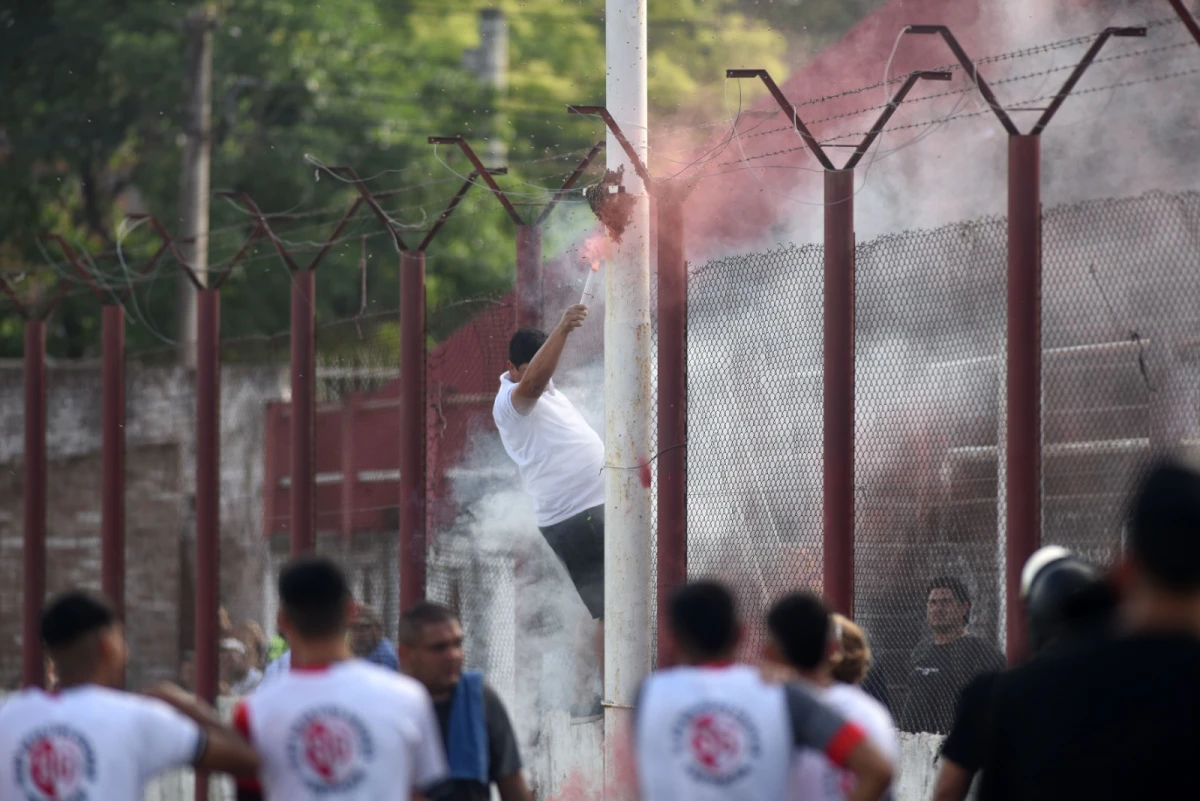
(672, 414)
(530, 287)
(33, 664)
(303, 510)
(1023, 495)
(412, 428)
(839, 390)
(112, 501)
(208, 497)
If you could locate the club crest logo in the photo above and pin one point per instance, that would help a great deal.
(330, 749)
(55, 764)
(718, 744)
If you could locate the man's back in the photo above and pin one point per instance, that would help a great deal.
(1116, 720)
(351, 731)
(716, 733)
(90, 742)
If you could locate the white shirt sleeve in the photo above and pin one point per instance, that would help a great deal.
(503, 408)
(429, 759)
(168, 739)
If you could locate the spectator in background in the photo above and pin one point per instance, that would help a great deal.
(238, 676)
(805, 637)
(940, 669)
(277, 647)
(367, 640)
(481, 746)
(856, 665)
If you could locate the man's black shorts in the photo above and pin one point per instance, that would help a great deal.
(579, 543)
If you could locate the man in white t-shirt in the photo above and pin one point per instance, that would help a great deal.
(712, 730)
(334, 726)
(559, 456)
(806, 638)
(89, 740)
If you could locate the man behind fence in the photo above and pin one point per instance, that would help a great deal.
(942, 668)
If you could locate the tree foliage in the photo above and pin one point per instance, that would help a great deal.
(91, 128)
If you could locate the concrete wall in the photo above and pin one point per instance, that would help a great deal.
(160, 459)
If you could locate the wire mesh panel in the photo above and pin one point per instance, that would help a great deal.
(1121, 285)
(928, 391)
(754, 426)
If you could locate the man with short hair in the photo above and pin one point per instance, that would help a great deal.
(1068, 603)
(711, 730)
(367, 640)
(1116, 719)
(481, 746)
(805, 637)
(88, 739)
(559, 456)
(941, 668)
(336, 726)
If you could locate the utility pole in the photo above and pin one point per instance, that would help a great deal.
(489, 62)
(194, 185)
(627, 584)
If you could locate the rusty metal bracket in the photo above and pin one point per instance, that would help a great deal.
(619, 135)
(813, 145)
(1189, 21)
(252, 208)
(481, 171)
(190, 271)
(990, 97)
(33, 311)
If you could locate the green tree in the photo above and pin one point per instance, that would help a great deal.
(90, 128)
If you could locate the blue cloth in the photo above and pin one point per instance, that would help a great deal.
(466, 736)
(384, 655)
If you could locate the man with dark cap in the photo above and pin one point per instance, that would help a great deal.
(88, 739)
(1067, 603)
(1116, 719)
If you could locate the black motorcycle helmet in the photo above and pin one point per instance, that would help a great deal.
(1064, 596)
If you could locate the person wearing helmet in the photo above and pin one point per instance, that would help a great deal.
(1116, 718)
(1066, 601)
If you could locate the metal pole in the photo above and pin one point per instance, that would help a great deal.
(1024, 433)
(208, 498)
(627, 583)
(839, 390)
(530, 287)
(672, 415)
(412, 428)
(194, 186)
(303, 536)
(112, 501)
(34, 664)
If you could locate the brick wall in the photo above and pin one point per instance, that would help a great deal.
(160, 458)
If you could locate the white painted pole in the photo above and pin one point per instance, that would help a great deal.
(627, 582)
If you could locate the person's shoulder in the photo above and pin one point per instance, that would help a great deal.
(385, 680)
(19, 702)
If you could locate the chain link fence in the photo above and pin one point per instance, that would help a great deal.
(1120, 378)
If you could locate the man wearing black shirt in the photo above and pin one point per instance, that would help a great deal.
(481, 747)
(1119, 719)
(942, 668)
(1068, 603)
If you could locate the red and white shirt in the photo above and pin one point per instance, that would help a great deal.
(814, 777)
(90, 743)
(721, 733)
(351, 731)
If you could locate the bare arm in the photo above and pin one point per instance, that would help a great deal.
(226, 750)
(513, 788)
(541, 368)
(953, 781)
(872, 771)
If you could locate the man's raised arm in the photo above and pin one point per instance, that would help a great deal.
(541, 368)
